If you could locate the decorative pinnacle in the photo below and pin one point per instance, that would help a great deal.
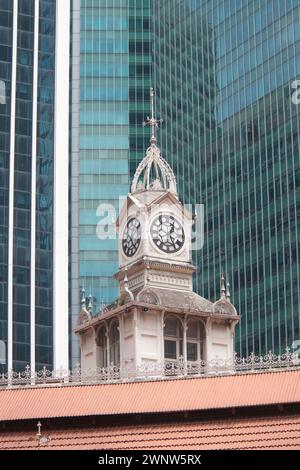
(228, 291)
(125, 279)
(39, 426)
(152, 122)
(39, 437)
(126, 288)
(223, 289)
(83, 299)
(90, 305)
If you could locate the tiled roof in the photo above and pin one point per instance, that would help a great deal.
(202, 393)
(259, 433)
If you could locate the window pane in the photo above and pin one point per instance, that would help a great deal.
(171, 327)
(170, 349)
(192, 331)
(102, 356)
(192, 353)
(102, 338)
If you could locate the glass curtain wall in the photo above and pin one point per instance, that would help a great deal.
(104, 140)
(223, 70)
(45, 185)
(6, 25)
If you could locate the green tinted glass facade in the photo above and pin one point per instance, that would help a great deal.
(222, 71)
(104, 128)
(114, 77)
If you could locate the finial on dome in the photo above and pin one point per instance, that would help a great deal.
(83, 299)
(152, 121)
(90, 304)
(223, 289)
(85, 314)
(228, 291)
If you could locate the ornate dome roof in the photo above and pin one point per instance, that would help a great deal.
(153, 173)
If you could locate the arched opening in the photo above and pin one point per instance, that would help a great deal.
(102, 347)
(114, 343)
(173, 339)
(195, 336)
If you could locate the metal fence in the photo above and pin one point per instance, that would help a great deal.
(152, 371)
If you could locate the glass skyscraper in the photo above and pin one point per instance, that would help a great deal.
(237, 150)
(223, 71)
(33, 172)
(111, 55)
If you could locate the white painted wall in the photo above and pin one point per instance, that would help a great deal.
(88, 351)
(150, 337)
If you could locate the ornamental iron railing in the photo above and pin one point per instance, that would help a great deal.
(152, 371)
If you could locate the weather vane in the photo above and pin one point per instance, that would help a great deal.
(152, 121)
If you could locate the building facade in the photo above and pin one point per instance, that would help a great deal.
(34, 194)
(223, 72)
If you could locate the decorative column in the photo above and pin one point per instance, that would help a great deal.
(207, 342)
(107, 345)
(162, 356)
(121, 333)
(184, 349)
(136, 338)
(97, 346)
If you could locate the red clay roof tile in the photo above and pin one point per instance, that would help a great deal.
(151, 397)
(259, 433)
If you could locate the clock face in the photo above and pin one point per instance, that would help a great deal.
(131, 237)
(167, 233)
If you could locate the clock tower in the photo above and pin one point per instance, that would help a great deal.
(154, 229)
(157, 318)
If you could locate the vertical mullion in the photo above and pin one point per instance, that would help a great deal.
(11, 186)
(33, 184)
(61, 189)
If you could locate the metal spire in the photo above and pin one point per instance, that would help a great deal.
(152, 121)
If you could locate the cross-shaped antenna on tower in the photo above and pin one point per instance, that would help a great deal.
(152, 121)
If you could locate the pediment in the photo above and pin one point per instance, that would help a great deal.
(146, 200)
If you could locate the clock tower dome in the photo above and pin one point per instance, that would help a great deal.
(157, 320)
